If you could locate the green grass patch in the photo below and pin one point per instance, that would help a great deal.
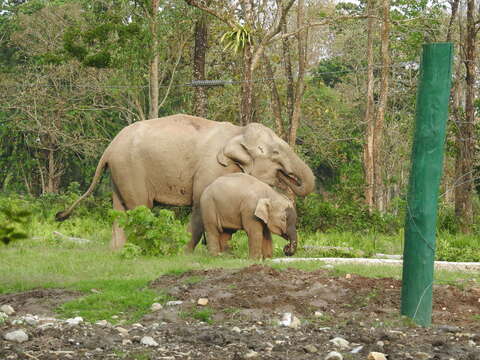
(204, 314)
(129, 300)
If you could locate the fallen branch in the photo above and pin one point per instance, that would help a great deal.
(69, 238)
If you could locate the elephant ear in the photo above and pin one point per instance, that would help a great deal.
(235, 152)
(263, 209)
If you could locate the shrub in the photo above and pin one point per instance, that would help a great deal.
(14, 221)
(150, 234)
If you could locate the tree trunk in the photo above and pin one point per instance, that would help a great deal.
(465, 135)
(287, 65)
(275, 101)
(154, 93)
(201, 41)
(369, 118)
(300, 84)
(247, 106)
(382, 105)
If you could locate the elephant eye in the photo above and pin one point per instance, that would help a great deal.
(276, 152)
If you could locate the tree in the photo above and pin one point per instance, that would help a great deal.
(199, 54)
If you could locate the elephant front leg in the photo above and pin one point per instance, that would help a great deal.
(267, 244)
(255, 241)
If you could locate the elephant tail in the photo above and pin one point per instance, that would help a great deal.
(63, 215)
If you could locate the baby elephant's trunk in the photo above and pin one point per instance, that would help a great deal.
(291, 248)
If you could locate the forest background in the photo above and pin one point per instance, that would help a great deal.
(337, 80)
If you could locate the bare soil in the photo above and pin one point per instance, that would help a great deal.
(241, 320)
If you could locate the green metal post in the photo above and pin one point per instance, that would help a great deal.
(427, 164)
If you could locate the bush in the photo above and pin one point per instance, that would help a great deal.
(150, 234)
(315, 214)
(14, 221)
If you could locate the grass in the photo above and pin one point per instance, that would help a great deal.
(121, 285)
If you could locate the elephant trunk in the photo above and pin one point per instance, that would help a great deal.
(291, 247)
(299, 178)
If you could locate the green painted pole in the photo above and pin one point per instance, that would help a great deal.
(427, 164)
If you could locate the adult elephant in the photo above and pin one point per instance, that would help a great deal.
(171, 160)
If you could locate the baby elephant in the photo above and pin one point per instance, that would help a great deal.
(240, 201)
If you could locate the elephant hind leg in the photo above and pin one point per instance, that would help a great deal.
(197, 229)
(118, 234)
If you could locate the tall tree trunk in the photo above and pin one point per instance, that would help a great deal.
(454, 10)
(369, 118)
(382, 105)
(300, 84)
(275, 99)
(287, 65)
(154, 93)
(247, 106)
(465, 135)
(201, 43)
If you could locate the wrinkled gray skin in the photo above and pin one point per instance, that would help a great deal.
(171, 160)
(240, 201)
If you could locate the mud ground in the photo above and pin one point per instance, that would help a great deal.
(241, 318)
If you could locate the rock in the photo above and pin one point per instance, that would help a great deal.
(328, 266)
(30, 320)
(102, 323)
(148, 340)
(7, 309)
(422, 356)
(18, 336)
(126, 342)
(123, 332)
(472, 343)
(3, 317)
(333, 355)
(348, 276)
(156, 306)
(174, 303)
(138, 326)
(202, 301)
(357, 349)
(251, 355)
(318, 314)
(340, 343)
(74, 321)
(47, 325)
(288, 319)
(376, 356)
(449, 328)
(236, 329)
(310, 349)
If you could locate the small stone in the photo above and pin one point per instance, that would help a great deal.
(18, 336)
(122, 331)
(3, 317)
(472, 343)
(380, 343)
(148, 340)
(251, 355)
(74, 321)
(333, 355)
(174, 303)
(348, 276)
(376, 356)
(47, 325)
(341, 343)
(328, 266)
(114, 316)
(202, 301)
(236, 329)
(7, 309)
(31, 320)
(318, 314)
(127, 342)
(102, 323)
(422, 355)
(357, 349)
(138, 326)
(156, 307)
(310, 349)
(288, 319)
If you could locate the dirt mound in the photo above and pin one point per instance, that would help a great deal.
(260, 291)
(38, 301)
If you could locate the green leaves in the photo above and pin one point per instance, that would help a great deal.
(14, 222)
(149, 234)
(237, 39)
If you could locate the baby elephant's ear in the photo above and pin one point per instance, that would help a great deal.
(263, 209)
